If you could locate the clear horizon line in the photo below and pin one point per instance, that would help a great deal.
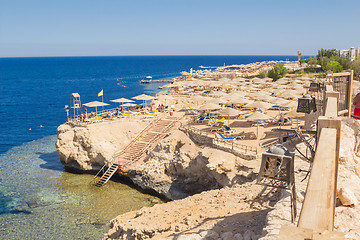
(152, 55)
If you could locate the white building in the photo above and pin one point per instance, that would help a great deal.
(344, 53)
(352, 54)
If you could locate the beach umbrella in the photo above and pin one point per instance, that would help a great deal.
(165, 97)
(290, 94)
(257, 116)
(236, 94)
(238, 100)
(198, 98)
(209, 106)
(121, 100)
(296, 115)
(143, 97)
(130, 105)
(290, 104)
(228, 112)
(258, 104)
(95, 104)
(218, 94)
(217, 100)
(169, 85)
(264, 97)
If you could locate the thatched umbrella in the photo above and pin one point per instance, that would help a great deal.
(257, 116)
(218, 94)
(209, 106)
(129, 105)
(143, 97)
(238, 100)
(229, 112)
(290, 94)
(296, 115)
(237, 94)
(165, 97)
(122, 100)
(258, 104)
(95, 104)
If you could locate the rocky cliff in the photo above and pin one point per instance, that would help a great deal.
(175, 168)
(87, 147)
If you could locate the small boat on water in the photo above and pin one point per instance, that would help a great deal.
(148, 79)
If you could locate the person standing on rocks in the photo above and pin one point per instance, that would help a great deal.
(356, 103)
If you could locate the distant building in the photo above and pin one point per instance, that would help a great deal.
(344, 53)
(352, 53)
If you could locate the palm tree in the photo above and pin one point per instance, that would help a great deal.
(299, 55)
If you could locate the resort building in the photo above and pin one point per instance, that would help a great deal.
(353, 53)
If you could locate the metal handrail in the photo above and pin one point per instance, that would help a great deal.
(232, 144)
(137, 137)
(154, 139)
(97, 174)
(119, 153)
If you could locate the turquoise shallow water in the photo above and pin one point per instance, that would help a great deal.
(39, 200)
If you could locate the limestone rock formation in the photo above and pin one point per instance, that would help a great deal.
(88, 147)
(177, 167)
(225, 213)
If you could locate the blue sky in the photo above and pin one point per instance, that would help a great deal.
(172, 27)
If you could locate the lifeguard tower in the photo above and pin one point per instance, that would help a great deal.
(75, 103)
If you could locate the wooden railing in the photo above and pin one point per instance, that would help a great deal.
(318, 209)
(236, 146)
(152, 123)
(151, 143)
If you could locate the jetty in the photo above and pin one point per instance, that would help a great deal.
(150, 80)
(134, 153)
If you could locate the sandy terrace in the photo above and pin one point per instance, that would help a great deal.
(239, 125)
(234, 212)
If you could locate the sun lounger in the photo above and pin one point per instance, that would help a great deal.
(221, 120)
(240, 135)
(150, 115)
(226, 138)
(93, 120)
(227, 129)
(109, 117)
(216, 128)
(200, 120)
(294, 120)
(259, 123)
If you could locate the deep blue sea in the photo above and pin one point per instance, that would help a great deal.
(38, 199)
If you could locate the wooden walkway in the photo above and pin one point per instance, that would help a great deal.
(135, 152)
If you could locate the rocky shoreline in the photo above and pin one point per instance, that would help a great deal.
(215, 193)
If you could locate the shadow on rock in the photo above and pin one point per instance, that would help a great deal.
(245, 225)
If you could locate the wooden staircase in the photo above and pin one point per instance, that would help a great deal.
(107, 175)
(137, 149)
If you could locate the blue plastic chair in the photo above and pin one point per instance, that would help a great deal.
(225, 138)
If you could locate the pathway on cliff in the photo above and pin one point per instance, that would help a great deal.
(134, 153)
